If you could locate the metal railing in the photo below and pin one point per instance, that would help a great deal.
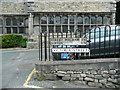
(103, 42)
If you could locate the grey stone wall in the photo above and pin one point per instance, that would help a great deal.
(12, 7)
(72, 6)
(73, 0)
(103, 73)
(32, 45)
(56, 6)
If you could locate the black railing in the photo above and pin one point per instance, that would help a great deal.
(102, 41)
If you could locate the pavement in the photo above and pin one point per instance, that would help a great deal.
(17, 69)
(16, 66)
(56, 84)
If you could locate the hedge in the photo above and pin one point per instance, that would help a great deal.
(13, 40)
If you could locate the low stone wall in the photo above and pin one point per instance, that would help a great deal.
(92, 72)
(32, 45)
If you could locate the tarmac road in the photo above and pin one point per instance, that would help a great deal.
(16, 66)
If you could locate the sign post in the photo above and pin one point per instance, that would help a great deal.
(69, 47)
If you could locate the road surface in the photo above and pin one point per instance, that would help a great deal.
(16, 66)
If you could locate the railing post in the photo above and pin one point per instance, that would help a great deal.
(49, 44)
(109, 39)
(99, 41)
(45, 41)
(94, 40)
(105, 39)
(89, 41)
(39, 45)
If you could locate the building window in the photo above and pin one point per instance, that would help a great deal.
(58, 20)
(21, 30)
(36, 20)
(93, 20)
(36, 30)
(50, 20)
(72, 28)
(99, 20)
(71, 18)
(86, 29)
(15, 30)
(86, 20)
(20, 22)
(64, 20)
(80, 27)
(44, 20)
(8, 21)
(1, 22)
(44, 28)
(8, 30)
(106, 20)
(80, 20)
(58, 29)
(51, 29)
(1, 30)
(14, 21)
(65, 29)
(16, 24)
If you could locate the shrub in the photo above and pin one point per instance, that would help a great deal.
(12, 40)
(23, 42)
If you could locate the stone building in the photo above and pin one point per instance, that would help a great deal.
(30, 17)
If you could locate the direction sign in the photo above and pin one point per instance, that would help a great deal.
(68, 41)
(73, 50)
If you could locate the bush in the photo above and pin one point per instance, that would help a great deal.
(12, 40)
(23, 42)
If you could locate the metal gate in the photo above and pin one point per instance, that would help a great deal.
(102, 41)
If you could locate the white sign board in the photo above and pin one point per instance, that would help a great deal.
(74, 50)
(68, 41)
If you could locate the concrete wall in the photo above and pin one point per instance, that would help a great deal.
(92, 72)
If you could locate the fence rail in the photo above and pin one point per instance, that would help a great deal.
(103, 41)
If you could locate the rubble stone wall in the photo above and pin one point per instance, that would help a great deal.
(66, 6)
(103, 73)
(12, 8)
(73, 6)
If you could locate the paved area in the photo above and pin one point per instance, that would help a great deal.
(57, 84)
(16, 66)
